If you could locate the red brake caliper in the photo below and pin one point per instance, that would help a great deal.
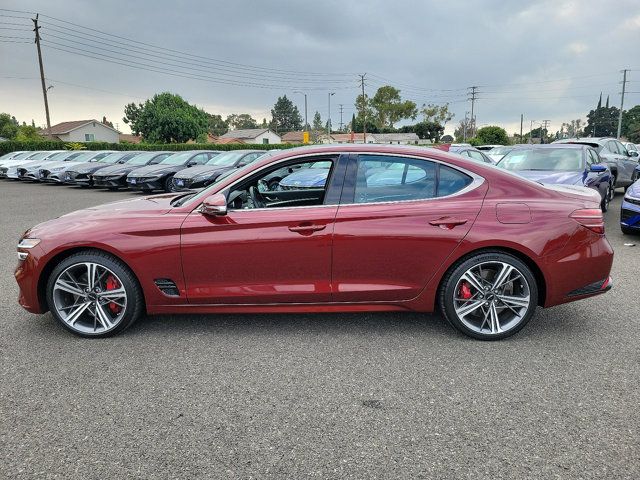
(112, 284)
(465, 291)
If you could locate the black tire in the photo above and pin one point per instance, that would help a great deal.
(627, 230)
(135, 298)
(169, 186)
(454, 275)
(614, 179)
(604, 204)
(113, 189)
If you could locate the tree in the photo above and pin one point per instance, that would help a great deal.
(216, 125)
(285, 116)
(131, 115)
(492, 135)
(389, 107)
(631, 124)
(602, 121)
(364, 110)
(243, 120)
(572, 129)
(27, 133)
(106, 122)
(464, 130)
(166, 118)
(8, 126)
(437, 113)
(426, 130)
(317, 121)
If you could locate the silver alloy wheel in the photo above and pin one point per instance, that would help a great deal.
(491, 297)
(90, 298)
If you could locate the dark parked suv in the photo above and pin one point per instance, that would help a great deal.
(621, 162)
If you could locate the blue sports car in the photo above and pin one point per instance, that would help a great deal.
(630, 211)
(568, 164)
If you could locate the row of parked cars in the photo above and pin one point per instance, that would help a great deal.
(135, 170)
(603, 164)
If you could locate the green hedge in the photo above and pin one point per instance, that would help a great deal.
(12, 146)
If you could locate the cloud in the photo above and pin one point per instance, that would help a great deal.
(577, 48)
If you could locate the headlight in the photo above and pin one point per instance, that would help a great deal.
(26, 243)
(56, 169)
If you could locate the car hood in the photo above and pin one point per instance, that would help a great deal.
(308, 177)
(86, 219)
(51, 165)
(210, 170)
(552, 176)
(89, 167)
(119, 169)
(158, 169)
(13, 163)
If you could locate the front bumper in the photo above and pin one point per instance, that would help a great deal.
(49, 177)
(27, 274)
(630, 214)
(145, 184)
(110, 182)
(3, 172)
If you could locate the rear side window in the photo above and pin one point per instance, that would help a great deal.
(381, 178)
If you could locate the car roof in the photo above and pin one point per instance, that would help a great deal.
(553, 145)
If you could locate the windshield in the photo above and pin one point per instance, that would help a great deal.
(39, 156)
(499, 150)
(141, 158)
(177, 158)
(557, 159)
(112, 157)
(226, 159)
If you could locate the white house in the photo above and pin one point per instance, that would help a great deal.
(84, 131)
(251, 135)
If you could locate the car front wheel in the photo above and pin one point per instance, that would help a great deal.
(489, 296)
(93, 294)
(169, 185)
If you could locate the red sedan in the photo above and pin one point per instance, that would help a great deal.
(376, 228)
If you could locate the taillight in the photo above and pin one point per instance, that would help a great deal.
(590, 218)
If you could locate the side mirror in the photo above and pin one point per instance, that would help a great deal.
(598, 168)
(191, 164)
(633, 153)
(214, 205)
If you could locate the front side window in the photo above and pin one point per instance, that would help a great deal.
(297, 184)
(382, 178)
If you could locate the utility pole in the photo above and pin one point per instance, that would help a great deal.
(464, 127)
(521, 120)
(473, 93)
(531, 131)
(364, 110)
(624, 84)
(543, 127)
(329, 94)
(341, 108)
(36, 29)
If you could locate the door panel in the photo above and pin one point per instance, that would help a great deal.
(389, 251)
(280, 255)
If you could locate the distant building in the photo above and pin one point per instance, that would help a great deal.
(83, 131)
(293, 137)
(129, 138)
(251, 135)
(394, 138)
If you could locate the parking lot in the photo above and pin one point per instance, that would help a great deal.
(375, 395)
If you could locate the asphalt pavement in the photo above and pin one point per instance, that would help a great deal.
(374, 395)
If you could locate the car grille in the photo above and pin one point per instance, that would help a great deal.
(43, 173)
(3, 171)
(70, 175)
(143, 179)
(626, 215)
(22, 172)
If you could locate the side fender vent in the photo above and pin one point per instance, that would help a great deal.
(167, 286)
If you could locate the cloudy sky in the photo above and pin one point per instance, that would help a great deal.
(544, 59)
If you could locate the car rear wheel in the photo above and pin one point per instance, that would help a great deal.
(604, 204)
(489, 296)
(93, 294)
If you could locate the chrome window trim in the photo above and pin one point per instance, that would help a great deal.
(476, 181)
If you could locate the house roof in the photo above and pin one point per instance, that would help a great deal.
(222, 140)
(66, 127)
(294, 137)
(245, 133)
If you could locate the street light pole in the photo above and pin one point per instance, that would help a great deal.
(329, 95)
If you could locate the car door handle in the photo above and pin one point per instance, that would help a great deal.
(307, 228)
(447, 223)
